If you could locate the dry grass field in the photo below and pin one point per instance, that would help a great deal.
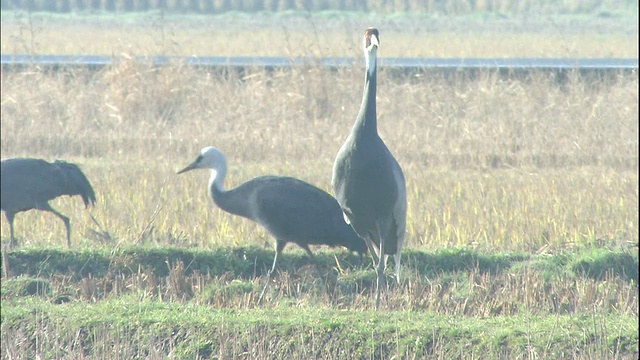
(490, 162)
(540, 166)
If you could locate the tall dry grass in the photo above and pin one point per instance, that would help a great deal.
(455, 122)
(491, 162)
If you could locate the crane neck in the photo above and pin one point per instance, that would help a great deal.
(216, 186)
(366, 122)
(230, 201)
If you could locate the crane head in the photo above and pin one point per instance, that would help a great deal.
(209, 158)
(371, 39)
(371, 45)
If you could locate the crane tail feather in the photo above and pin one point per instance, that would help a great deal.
(78, 183)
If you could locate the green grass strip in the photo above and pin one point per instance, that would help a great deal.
(137, 327)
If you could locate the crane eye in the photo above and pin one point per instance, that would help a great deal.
(199, 158)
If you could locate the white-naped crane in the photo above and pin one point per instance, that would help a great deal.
(368, 181)
(29, 183)
(289, 209)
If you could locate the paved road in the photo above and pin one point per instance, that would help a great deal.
(598, 65)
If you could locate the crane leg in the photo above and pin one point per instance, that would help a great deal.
(306, 248)
(5, 263)
(378, 262)
(393, 233)
(10, 217)
(5, 258)
(372, 249)
(381, 282)
(311, 256)
(397, 261)
(279, 247)
(67, 223)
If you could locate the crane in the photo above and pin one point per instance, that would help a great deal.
(29, 183)
(289, 209)
(367, 180)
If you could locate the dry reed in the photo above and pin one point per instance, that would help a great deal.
(491, 161)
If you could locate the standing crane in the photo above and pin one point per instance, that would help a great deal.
(31, 183)
(291, 210)
(368, 181)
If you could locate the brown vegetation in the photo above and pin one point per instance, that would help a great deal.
(488, 160)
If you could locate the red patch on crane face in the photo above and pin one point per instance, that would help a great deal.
(368, 34)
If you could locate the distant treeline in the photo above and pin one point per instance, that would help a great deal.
(377, 6)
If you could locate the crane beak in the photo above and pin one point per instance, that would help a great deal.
(193, 165)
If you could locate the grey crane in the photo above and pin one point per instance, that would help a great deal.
(368, 181)
(29, 183)
(291, 210)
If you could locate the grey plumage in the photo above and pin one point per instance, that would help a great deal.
(30, 183)
(291, 210)
(368, 181)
